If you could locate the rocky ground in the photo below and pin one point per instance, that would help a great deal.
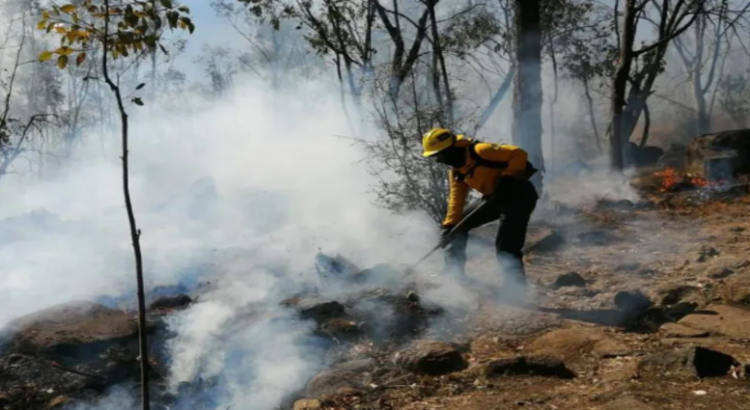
(636, 306)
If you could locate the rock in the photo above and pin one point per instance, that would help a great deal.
(553, 241)
(680, 331)
(430, 357)
(532, 365)
(328, 382)
(573, 279)
(655, 316)
(358, 366)
(610, 348)
(320, 310)
(736, 289)
(340, 328)
(686, 363)
(306, 404)
(70, 329)
(172, 302)
(719, 272)
(386, 316)
(706, 252)
(633, 302)
(626, 403)
(332, 269)
(719, 319)
(574, 342)
(719, 156)
(674, 293)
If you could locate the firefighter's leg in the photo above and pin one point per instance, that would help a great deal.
(511, 236)
(455, 252)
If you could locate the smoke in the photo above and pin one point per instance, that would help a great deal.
(591, 185)
(246, 193)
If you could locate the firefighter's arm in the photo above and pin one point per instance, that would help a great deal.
(459, 190)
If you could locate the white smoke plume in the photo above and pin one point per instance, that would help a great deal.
(274, 186)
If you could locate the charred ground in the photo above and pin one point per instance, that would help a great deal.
(637, 305)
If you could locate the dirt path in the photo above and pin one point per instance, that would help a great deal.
(687, 350)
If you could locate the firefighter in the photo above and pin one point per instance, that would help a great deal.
(500, 174)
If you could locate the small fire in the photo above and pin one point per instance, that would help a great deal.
(699, 182)
(672, 181)
(669, 179)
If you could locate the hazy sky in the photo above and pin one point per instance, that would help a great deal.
(209, 29)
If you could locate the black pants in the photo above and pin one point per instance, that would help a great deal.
(513, 207)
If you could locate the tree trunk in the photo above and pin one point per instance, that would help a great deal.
(619, 85)
(592, 115)
(702, 117)
(527, 91)
(135, 233)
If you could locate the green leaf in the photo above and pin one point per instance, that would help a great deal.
(166, 3)
(172, 18)
(141, 85)
(68, 8)
(137, 101)
(62, 61)
(45, 56)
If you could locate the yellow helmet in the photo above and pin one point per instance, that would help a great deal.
(436, 140)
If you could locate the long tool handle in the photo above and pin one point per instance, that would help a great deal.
(455, 229)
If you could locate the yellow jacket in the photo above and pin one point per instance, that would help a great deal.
(481, 178)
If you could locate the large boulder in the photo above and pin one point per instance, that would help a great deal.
(430, 357)
(532, 365)
(575, 342)
(686, 363)
(720, 156)
(70, 329)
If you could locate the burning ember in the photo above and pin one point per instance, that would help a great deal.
(672, 181)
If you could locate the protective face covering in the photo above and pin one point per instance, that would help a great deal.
(454, 157)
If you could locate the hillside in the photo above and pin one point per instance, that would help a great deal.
(637, 306)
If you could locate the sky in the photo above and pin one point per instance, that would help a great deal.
(209, 29)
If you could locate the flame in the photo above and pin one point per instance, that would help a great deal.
(671, 181)
(699, 182)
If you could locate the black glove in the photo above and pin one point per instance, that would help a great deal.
(445, 235)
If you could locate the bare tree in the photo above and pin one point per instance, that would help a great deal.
(219, 66)
(639, 68)
(703, 51)
(21, 125)
(734, 97)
